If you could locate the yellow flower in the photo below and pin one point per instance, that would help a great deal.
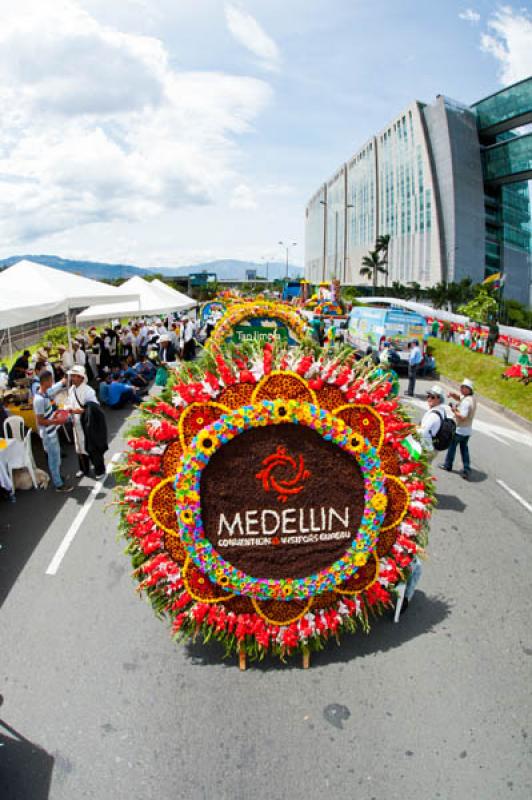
(360, 559)
(379, 501)
(356, 442)
(280, 411)
(186, 516)
(207, 443)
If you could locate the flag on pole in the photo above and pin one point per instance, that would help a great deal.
(491, 278)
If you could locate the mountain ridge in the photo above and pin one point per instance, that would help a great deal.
(225, 269)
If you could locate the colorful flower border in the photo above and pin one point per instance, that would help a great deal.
(222, 382)
(239, 312)
(265, 413)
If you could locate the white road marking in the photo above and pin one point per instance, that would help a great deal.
(515, 495)
(69, 536)
(497, 438)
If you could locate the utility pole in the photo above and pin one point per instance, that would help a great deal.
(287, 249)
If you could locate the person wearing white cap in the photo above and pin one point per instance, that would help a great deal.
(166, 349)
(464, 407)
(80, 395)
(433, 419)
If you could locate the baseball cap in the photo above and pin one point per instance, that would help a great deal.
(436, 391)
(468, 383)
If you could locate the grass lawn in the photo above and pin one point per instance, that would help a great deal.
(457, 363)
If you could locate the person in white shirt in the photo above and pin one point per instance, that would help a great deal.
(80, 358)
(188, 339)
(464, 408)
(66, 357)
(79, 394)
(127, 341)
(432, 419)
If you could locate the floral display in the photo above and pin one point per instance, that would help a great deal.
(238, 313)
(271, 500)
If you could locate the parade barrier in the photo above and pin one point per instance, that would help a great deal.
(273, 500)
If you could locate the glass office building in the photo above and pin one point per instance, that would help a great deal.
(449, 183)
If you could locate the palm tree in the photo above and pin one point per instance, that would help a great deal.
(438, 294)
(372, 264)
(398, 290)
(416, 291)
(382, 246)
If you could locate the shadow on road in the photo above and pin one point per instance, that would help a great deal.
(25, 768)
(24, 523)
(476, 476)
(450, 502)
(424, 614)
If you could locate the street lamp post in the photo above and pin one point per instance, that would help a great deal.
(287, 249)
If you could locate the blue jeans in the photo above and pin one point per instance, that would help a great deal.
(53, 453)
(459, 439)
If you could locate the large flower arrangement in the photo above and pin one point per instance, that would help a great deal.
(188, 581)
(257, 309)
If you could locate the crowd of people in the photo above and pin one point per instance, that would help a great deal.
(110, 367)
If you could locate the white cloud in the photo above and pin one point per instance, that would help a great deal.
(469, 15)
(510, 41)
(243, 198)
(249, 33)
(98, 127)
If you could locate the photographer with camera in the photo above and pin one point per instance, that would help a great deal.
(464, 406)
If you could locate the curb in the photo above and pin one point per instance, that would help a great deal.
(506, 412)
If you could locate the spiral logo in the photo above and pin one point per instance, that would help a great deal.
(276, 477)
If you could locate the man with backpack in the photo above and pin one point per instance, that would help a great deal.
(437, 426)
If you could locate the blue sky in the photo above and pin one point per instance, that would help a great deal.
(163, 132)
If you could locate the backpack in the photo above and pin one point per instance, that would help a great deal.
(445, 434)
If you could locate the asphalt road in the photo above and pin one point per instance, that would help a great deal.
(99, 703)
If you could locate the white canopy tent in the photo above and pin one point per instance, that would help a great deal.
(154, 298)
(179, 297)
(31, 291)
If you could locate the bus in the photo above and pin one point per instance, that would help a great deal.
(370, 326)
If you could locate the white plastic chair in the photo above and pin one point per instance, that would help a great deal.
(14, 428)
(26, 462)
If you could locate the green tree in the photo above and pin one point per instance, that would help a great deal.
(482, 307)
(438, 294)
(516, 314)
(372, 264)
(349, 294)
(415, 292)
(397, 289)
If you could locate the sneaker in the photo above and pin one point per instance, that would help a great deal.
(465, 475)
(64, 489)
(445, 467)
(80, 473)
(99, 477)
